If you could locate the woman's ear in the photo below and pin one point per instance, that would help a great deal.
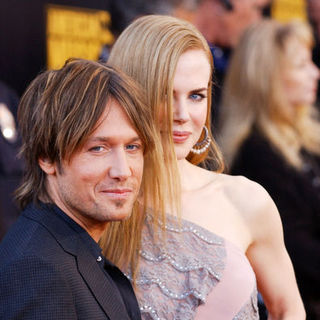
(47, 166)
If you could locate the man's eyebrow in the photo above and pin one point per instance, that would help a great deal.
(106, 139)
(98, 139)
(135, 139)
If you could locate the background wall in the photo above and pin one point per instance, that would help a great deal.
(23, 37)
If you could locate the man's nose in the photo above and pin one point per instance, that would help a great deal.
(120, 168)
(316, 71)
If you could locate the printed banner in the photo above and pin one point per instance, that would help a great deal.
(75, 32)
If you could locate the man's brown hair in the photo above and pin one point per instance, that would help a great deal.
(61, 108)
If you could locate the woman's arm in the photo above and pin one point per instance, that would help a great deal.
(270, 260)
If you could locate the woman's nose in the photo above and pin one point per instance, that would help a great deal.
(180, 111)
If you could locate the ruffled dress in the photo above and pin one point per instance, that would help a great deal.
(197, 275)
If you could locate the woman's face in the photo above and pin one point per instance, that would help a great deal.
(300, 76)
(190, 90)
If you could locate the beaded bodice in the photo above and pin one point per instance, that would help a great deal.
(175, 279)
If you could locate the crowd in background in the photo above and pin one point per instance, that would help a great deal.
(264, 113)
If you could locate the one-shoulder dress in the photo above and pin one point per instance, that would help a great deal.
(197, 275)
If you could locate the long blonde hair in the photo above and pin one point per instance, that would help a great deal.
(148, 50)
(253, 95)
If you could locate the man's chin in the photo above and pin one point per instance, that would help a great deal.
(122, 211)
(122, 216)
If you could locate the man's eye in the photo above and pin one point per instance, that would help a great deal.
(96, 149)
(133, 147)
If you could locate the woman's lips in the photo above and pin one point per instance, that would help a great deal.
(180, 136)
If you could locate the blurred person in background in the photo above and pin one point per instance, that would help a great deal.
(123, 12)
(11, 167)
(270, 133)
(223, 21)
(313, 7)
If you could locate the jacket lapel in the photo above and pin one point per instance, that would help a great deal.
(102, 287)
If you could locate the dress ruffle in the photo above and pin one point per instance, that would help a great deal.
(250, 309)
(174, 279)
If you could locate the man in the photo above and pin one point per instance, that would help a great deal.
(85, 132)
(222, 22)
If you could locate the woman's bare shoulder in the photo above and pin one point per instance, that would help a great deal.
(249, 197)
(238, 184)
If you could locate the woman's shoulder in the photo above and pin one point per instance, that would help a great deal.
(236, 187)
(245, 196)
(237, 184)
(250, 198)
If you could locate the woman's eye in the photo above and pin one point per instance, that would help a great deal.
(197, 96)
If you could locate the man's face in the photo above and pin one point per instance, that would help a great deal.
(244, 13)
(314, 10)
(101, 181)
(313, 7)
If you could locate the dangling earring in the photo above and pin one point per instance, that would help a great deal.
(203, 145)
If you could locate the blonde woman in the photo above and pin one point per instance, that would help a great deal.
(204, 265)
(270, 133)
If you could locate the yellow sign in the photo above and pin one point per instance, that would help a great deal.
(75, 33)
(286, 10)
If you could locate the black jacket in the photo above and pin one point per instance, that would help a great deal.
(50, 269)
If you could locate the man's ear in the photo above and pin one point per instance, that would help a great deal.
(47, 166)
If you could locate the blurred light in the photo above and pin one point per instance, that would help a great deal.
(8, 133)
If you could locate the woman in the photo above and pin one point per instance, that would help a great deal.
(272, 135)
(198, 267)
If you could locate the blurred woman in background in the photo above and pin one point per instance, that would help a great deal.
(270, 133)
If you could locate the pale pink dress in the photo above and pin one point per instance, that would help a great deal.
(197, 275)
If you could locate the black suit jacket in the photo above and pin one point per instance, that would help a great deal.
(48, 270)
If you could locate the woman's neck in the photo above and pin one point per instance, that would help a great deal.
(192, 177)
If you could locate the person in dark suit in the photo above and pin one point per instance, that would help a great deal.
(81, 173)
